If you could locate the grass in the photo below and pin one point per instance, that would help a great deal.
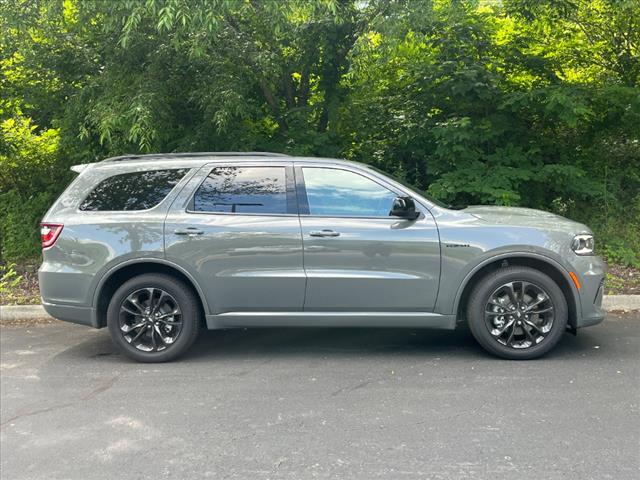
(622, 280)
(19, 285)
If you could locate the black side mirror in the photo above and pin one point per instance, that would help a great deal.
(404, 207)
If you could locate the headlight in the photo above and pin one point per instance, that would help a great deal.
(583, 244)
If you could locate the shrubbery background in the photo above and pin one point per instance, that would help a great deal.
(513, 102)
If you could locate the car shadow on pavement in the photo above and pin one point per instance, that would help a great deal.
(259, 343)
(335, 342)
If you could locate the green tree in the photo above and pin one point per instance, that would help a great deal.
(518, 102)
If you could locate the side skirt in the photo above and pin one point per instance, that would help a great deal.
(331, 319)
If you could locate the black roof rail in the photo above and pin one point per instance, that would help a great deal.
(155, 156)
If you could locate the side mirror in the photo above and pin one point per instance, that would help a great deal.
(404, 207)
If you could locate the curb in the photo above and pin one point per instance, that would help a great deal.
(621, 302)
(12, 313)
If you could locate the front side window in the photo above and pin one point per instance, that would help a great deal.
(132, 191)
(333, 192)
(243, 190)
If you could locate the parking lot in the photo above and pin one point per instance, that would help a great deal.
(320, 403)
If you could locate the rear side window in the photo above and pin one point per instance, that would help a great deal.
(133, 191)
(243, 190)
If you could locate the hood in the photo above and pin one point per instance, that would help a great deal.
(527, 217)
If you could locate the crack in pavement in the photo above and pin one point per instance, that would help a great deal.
(351, 388)
(102, 387)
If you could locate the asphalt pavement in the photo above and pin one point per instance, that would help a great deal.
(320, 403)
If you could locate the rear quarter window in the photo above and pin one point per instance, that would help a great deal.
(132, 191)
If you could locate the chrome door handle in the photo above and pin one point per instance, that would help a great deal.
(188, 231)
(324, 233)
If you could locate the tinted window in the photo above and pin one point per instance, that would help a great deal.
(133, 191)
(334, 192)
(243, 190)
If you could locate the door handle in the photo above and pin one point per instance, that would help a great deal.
(188, 231)
(324, 233)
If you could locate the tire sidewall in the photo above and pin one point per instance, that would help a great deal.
(481, 294)
(186, 302)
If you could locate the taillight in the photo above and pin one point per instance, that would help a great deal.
(49, 233)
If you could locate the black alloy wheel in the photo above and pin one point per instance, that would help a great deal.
(154, 317)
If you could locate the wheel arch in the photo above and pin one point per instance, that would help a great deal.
(544, 264)
(125, 271)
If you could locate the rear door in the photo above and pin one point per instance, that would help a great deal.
(236, 230)
(357, 257)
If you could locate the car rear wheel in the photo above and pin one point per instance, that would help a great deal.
(153, 318)
(517, 313)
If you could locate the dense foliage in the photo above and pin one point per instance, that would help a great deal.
(516, 102)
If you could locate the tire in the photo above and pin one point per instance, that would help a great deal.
(168, 333)
(493, 294)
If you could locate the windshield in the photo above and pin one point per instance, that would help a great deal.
(417, 190)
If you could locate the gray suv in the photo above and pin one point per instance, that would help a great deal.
(154, 246)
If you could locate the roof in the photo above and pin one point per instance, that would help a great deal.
(163, 156)
(188, 159)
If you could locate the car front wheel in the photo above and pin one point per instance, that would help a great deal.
(517, 313)
(153, 318)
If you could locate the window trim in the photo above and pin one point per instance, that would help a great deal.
(303, 200)
(290, 189)
(183, 180)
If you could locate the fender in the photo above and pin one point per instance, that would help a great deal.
(157, 260)
(505, 256)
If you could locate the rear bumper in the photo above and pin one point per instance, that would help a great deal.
(72, 313)
(64, 295)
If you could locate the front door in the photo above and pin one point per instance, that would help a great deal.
(236, 230)
(356, 256)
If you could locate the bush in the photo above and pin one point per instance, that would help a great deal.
(30, 179)
(9, 278)
(621, 253)
(19, 225)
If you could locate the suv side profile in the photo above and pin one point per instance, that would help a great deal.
(155, 246)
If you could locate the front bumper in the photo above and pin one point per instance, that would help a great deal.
(590, 271)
